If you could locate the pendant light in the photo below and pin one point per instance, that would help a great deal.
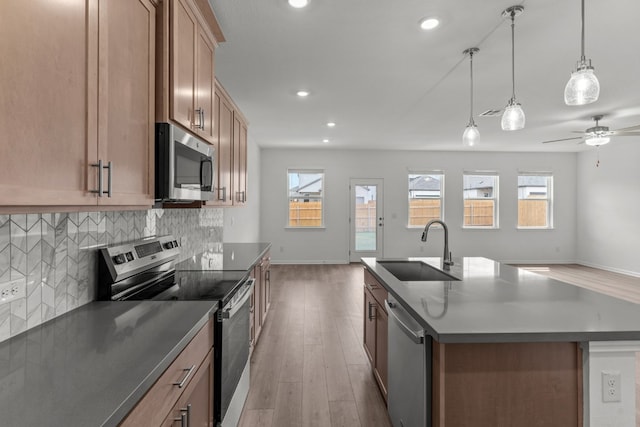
(583, 87)
(513, 116)
(471, 135)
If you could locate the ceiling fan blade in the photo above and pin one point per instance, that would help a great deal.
(618, 133)
(563, 139)
(636, 127)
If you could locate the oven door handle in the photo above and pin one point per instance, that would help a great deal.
(230, 312)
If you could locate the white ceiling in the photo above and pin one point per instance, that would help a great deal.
(389, 85)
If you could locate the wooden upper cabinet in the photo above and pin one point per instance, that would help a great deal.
(184, 29)
(204, 99)
(239, 159)
(126, 130)
(224, 154)
(77, 89)
(191, 59)
(48, 102)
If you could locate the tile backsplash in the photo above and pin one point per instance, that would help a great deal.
(56, 254)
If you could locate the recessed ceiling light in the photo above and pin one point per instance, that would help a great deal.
(302, 93)
(298, 3)
(326, 141)
(429, 23)
(331, 124)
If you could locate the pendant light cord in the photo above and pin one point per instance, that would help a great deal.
(513, 55)
(471, 87)
(582, 57)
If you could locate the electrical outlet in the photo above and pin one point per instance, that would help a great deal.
(13, 290)
(611, 387)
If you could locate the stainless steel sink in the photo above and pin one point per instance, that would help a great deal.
(415, 271)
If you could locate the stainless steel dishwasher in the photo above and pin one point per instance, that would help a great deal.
(409, 370)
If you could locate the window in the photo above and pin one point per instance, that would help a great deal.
(535, 191)
(305, 189)
(480, 200)
(425, 197)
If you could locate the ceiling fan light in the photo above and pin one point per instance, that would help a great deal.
(513, 116)
(596, 140)
(471, 135)
(582, 88)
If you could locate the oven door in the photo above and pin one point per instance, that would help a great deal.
(184, 165)
(233, 351)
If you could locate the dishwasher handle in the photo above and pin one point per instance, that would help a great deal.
(416, 336)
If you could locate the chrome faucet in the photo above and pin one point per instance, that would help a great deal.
(447, 262)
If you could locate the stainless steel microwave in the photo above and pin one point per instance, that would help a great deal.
(185, 165)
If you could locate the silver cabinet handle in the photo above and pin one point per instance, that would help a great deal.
(182, 419)
(371, 316)
(109, 167)
(99, 166)
(186, 411)
(200, 124)
(186, 377)
(224, 194)
(244, 197)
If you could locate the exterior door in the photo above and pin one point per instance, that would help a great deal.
(367, 218)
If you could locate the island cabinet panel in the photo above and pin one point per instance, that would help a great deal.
(181, 384)
(369, 326)
(91, 70)
(507, 384)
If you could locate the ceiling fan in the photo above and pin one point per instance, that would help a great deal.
(600, 135)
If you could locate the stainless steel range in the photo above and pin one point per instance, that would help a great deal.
(148, 270)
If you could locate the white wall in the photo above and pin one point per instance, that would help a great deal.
(331, 244)
(242, 224)
(608, 234)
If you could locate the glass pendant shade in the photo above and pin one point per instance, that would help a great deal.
(513, 116)
(582, 88)
(471, 135)
(597, 140)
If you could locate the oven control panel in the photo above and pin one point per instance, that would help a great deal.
(131, 258)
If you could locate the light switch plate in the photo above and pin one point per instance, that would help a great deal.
(13, 290)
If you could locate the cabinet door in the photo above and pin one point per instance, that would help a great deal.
(196, 402)
(225, 158)
(204, 101)
(370, 309)
(239, 160)
(127, 100)
(381, 350)
(48, 102)
(257, 308)
(184, 31)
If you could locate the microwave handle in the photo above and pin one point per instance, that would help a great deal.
(202, 163)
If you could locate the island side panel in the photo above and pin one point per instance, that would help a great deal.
(507, 384)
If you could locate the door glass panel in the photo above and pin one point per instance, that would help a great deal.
(366, 221)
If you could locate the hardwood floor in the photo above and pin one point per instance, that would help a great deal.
(309, 367)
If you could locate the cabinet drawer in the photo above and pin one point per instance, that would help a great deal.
(163, 395)
(377, 290)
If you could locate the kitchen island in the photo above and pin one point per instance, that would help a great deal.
(510, 347)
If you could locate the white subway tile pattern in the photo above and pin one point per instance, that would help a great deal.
(56, 254)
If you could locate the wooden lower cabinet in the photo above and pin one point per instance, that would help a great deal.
(195, 404)
(261, 297)
(375, 330)
(187, 381)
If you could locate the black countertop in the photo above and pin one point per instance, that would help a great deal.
(494, 302)
(226, 257)
(90, 366)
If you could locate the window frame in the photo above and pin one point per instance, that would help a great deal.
(549, 199)
(321, 197)
(439, 173)
(495, 198)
